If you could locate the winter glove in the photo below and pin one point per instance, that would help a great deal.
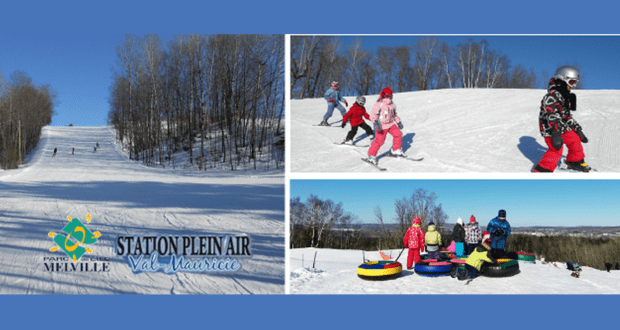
(343, 124)
(500, 232)
(496, 233)
(573, 101)
(400, 125)
(345, 103)
(332, 100)
(557, 140)
(377, 127)
(579, 132)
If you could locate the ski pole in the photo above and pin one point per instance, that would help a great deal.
(401, 252)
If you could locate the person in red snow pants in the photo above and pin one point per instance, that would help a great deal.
(414, 240)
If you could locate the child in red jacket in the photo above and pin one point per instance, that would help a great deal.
(356, 114)
(414, 240)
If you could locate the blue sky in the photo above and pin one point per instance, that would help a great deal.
(597, 55)
(77, 67)
(527, 202)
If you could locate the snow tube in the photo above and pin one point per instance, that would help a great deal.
(434, 268)
(379, 270)
(503, 268)
(523, 256)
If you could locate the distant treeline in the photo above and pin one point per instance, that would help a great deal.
(24, 109)
(324, 224)
(225, 91)
(591, 252)
(423, 65)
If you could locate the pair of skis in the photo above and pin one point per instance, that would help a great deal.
(400, 157)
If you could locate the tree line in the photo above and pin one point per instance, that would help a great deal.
(425, 64)
(322, 223)
(24, 109)
(591, 252)
(224, 91)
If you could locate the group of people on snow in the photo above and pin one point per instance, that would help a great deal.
(383, 116)
(556, 124)
(73, 150)
(467, 240)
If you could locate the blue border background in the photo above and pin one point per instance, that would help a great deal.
(308, 17)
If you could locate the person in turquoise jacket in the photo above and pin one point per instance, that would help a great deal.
(499, 228)
(474, 262)
(333, 98)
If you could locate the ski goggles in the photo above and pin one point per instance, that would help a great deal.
(572, 82)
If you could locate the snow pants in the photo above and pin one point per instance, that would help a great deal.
(471, 247)
(550, 159)
(413, 256)
(380, 140)
(353, 131)
(330, 109)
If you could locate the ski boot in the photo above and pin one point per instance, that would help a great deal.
(397, 153)
(349, 142)
(372, 160)
(372, 137)
(324, 123)
(578, 166)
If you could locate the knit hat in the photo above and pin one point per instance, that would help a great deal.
(416, 221)
(472, 219)
(386, 92)
(459, 221)
(501, 213)
(334, 84)
(431, 224)
(486, 239)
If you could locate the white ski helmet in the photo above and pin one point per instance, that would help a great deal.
(360, 100)
(568, 74)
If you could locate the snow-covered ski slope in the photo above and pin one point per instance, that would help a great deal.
(335, 272)
(457, 130)
(129, 199)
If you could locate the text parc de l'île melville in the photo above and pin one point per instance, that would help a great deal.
(172, 254)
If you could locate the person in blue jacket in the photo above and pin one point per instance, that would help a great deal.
(333, 98)
(499, 228)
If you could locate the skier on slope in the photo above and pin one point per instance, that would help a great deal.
(458, 235)
(356, 114)
(414, 240)
(557, 125)
(55, 150)
(475, 260)
(385, 120)
(473, 234)
(333, 98)
(500, 230)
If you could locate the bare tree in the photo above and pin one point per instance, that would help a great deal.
(425, 62)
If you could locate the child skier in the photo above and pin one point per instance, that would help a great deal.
(385, 120)
(414, 240)
(500, 230)
(356, 114)
(472, 234)
(557, 125)
(333, 98)
(458, 235)
(433, 242)
(474, 262)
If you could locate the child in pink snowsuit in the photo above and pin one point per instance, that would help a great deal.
(414, 240)
(384, 116)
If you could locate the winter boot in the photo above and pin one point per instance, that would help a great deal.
(579, 166)
(372, 137)
(324, 123)
(397, 153)
(349, 142)
(372, 160)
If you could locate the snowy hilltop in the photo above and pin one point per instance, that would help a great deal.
(456, 130)
(128, 201)
(335, 272)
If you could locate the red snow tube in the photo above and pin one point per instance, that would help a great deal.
(379, 270)
(432, 268)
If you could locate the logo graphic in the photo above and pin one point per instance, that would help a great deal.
(77, 236)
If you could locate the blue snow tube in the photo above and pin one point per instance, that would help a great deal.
(433, 269)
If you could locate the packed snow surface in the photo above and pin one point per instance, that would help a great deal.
(126, 198)
(335, 272)
(456, 130)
